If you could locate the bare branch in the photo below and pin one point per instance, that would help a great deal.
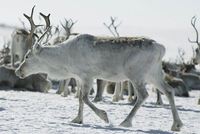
(181, 54)
(112, 27)
(23, 24)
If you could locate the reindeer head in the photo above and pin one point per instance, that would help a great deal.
(32, 56)
(196, 57)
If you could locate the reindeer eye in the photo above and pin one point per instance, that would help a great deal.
(27, 56)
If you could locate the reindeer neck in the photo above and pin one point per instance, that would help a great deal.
(53, 55)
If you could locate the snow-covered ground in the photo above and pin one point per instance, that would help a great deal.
(39, 113)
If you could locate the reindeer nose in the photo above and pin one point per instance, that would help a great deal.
(19, 73)
(194, 61)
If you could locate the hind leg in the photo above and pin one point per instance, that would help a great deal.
(117, 92)
(101, 84)
(199, 101)
(61, 87)
(122, 86)
(141, 94)
(159, 98)
(66, 88)
(169, 92)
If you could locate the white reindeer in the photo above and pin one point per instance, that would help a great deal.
(196, 59)
(136, 59)
(118, 90)
(22, 40)
(35, 82)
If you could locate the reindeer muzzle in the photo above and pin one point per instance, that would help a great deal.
(19, 73)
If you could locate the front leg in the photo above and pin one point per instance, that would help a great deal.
(79, 117)
(87, 85)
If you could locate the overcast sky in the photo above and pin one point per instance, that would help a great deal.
(166, 21)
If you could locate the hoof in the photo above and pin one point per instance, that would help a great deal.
(115, 99)
(177, 126)
(97, 99)
(130, 99)
(121, 98)
(58, 92)
(159, 103)
(126, 124)
(73, 90)
(103, 116)
(77, 120)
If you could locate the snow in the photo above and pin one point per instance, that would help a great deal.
(31, 113)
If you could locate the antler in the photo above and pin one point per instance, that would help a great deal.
(47, 20)
(193, 23)
(33, 27)
(30, 19)
(68, 26)
(48, 27)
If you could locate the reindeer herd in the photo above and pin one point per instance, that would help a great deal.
(116, 63)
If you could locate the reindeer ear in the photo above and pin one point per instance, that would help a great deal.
(197, 50)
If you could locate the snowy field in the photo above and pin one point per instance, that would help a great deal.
(39, 113)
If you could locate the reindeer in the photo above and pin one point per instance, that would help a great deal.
(4, 54)
(22, 40)
(35, 82)
(68, 31)
(115, 88)
(136, 59)
(196, 59)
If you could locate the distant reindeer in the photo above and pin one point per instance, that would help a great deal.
(63, 84)
(136, 59)
(119, 87)
(196, 59)
(192, 80)
(35, 82)
(22, 40)
(67, 26)
(5, 54)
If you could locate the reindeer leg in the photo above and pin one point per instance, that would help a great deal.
(79, 117)
(61, 86)
(121, 94)
(159, 99)
(101, 84)
(169, 92)
(87, 85)
(66, 88)
(117, 92)
(130, 93)
(142, 94)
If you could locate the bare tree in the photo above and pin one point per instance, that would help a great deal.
(181, 54)
(113, 27)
